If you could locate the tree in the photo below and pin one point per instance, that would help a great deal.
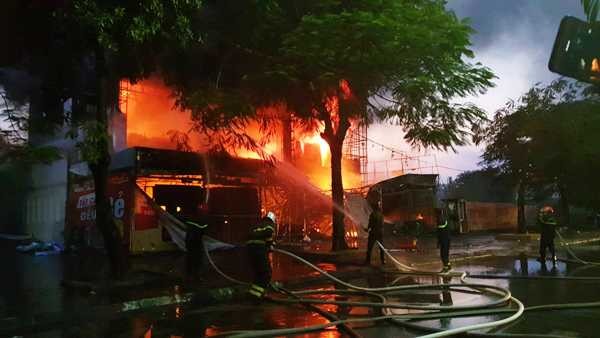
(546, 139)
(566, 146)
(63, 43)
(335, 62)
(591, 8)
(508, 146)
(486, 185)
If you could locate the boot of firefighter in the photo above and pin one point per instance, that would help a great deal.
(256, 292)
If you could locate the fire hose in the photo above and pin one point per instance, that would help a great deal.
(434, 311)
(505, 296)
(567, 246)
(332, 318)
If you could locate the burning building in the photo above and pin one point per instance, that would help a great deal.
(407, 198)
(161, 161)
(158, 160)
(301, 179)
(146, 181)
(153, 120)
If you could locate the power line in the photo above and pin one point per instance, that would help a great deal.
(455, 169)
(385, 146)
(409, 156)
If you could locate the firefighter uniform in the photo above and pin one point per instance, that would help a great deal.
(194, 245)
(258, 246)
(375, 230)
(547, 223)
(443, 241)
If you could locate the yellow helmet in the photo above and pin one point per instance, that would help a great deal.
(271, 216)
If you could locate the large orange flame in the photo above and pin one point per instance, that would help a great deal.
(152, 118)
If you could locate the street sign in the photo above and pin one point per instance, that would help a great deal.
(576, 51)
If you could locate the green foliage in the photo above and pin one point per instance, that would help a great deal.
(591, 8)
(304, 55)
(95, 144)
(568, 148)
(408, 54)
(485, 185)
(119, 24)
(549, 139)
(404, 62)
(508, 136)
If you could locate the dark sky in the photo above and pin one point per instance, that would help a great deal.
(514, 38)
(494, 18)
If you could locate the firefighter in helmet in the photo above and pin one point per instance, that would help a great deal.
(547, 224)
(443, 239)
(259, 246)
(375, 230)
(194, 243)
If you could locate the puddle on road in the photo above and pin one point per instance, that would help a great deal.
(580, 322)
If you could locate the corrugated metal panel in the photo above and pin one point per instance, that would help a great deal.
(45, 214)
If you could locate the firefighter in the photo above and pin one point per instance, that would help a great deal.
(547, 223)
(194, 244)
(375, 230)
(419, 224)
(443, 240)
(259, 245)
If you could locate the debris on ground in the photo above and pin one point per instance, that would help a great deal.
(39, 248)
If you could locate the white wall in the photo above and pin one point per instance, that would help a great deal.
(45, 210)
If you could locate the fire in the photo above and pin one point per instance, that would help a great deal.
(270, 149)
(152, 119)
(316, 139)
(345, 88)
(151, 116)
(595, 66)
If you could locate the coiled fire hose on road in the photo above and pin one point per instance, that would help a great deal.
(568, 247)
(434, 311)
(505, 296)
(332, 318)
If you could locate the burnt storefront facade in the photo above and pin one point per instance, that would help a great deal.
(181, 183)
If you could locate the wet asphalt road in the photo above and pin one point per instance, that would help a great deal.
(195, 321)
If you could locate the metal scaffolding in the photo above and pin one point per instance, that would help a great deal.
(355, 148)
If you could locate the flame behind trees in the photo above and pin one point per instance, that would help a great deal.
(398, 61)
(154, 120)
